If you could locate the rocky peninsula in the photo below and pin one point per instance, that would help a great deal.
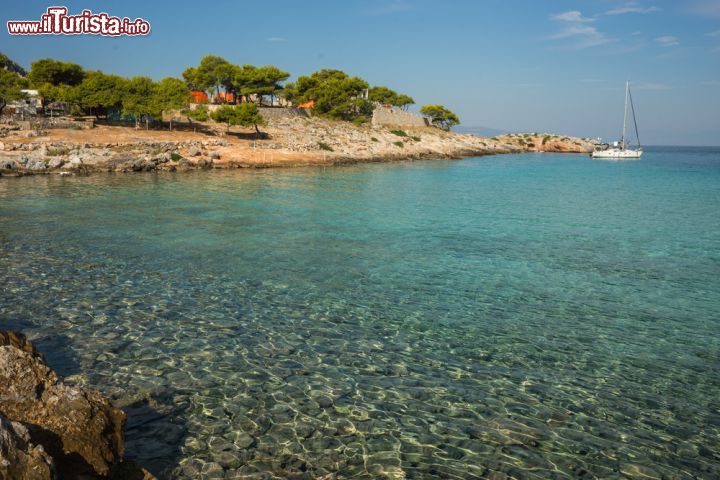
(51, 430)
(82, 147)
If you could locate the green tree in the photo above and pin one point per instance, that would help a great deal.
(97, 93)
(55, 72)
(243, 114)
(200, 113)
(10, 85)
(212, 73)
(139, 100)
(440, 116)
(262, 81)
(8, 64)
(171, 94)
(336, 95)
(194, 79)
(391, 97)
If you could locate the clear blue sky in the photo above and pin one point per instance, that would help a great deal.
(524, 65)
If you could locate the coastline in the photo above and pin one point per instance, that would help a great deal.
(289, 142)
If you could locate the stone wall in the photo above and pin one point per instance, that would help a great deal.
(268, 113)
(386, 115)
(283, 112)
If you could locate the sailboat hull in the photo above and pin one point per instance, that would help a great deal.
(617, 154)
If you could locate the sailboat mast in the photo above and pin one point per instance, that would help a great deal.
(627, 85)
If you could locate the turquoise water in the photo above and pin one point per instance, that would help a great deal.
(538, 316)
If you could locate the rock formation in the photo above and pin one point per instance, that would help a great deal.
(50, 426)
(19, 458)
(291, 141)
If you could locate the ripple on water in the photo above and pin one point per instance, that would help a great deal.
(320, 323)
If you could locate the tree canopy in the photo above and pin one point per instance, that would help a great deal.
(242, 114)
(98, 92)
(336, 95)
(212, 73)
(391, 97)
(215, 72)
(10, 85)
(8, 64)
(172, 94)
(330, 93)
(440, 116)
(138, 98)
(260, 81)
(55, 73)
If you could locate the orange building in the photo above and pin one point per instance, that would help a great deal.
(225, 97)
(199, 97)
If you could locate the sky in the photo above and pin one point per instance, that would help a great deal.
(514, 65)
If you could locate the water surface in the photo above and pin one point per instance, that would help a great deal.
(538, 316)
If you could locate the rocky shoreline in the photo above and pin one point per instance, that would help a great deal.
(49, 430)
(289, 142)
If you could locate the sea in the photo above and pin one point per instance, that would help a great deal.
(524, 316)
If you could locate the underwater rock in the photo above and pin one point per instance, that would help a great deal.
(79, 428)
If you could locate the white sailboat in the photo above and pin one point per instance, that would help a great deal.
(620, 150)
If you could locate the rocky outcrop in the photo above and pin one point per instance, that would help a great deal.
(79, 429)
(286, 141)
(20, 459)
(547, 142)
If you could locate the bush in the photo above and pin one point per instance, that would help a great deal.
(399, 133)
(174, 156)
(417, 139)
(374, 139)
(325, 146)
(545, 139)
(57, 151)
(399, 144)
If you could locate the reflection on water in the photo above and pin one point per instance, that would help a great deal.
(537, 316)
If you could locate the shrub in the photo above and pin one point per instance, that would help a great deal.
(545, 139)
(399, 133)
(417, 139)
(325, 146)
(57, 151)
(174, 156)
(374, 139)
(399, 144)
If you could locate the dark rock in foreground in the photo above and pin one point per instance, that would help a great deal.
(52, 426)
(19, 458)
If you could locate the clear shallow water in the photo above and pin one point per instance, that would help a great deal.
(542, 316)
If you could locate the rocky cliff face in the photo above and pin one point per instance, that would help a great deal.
(48, 426)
